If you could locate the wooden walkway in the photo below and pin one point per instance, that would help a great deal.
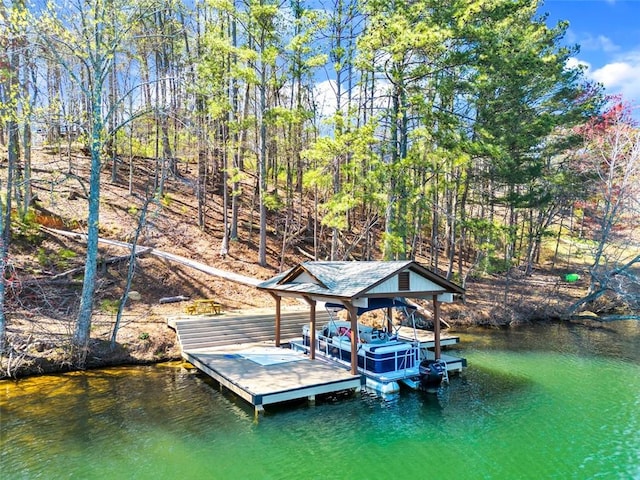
(238, 352)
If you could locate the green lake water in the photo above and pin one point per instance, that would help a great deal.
(550, 402)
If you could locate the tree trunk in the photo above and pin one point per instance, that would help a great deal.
(262, 167)
(83, 325)
(130, 271)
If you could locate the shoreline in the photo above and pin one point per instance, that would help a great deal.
(162, 346)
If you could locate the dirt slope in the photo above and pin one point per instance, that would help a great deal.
(42, 303)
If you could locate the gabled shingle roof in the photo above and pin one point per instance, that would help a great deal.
(346, 279)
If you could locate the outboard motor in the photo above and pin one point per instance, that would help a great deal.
(431, 374)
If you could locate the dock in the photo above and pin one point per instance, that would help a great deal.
(238, 352)
(427, 342)
(263, 374)
(426, 337)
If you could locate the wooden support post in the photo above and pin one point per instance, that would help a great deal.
(312, 323)
(256, 413)
(390, 320)
(436, 327)
(278, 317)
(312, 333)
(353, 316)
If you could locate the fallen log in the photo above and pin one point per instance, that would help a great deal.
(104, 262)
(177, 298)
(68, 274)
(231, 276)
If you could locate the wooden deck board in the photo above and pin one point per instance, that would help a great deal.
(266, 384)
(426, 337)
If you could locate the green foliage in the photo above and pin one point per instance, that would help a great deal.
(450, 113)
(336, 210)
(316, 177)
(67, 254)
(492, 265)
(26, 229)
(272, 201)
(235, 175)
(61, 259)
(141, 147)
(43, 257)
(65, 257)
(487, 236)
(394, 245)
(111, 306)
(280, 117)
(166, 200)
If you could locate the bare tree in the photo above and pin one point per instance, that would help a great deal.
(90, 34)
(142, 222)
(13, 106)
(612, 165)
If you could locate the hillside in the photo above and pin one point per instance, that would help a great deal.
(43, 294)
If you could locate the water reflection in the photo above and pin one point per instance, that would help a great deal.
(619, 340)
(557, 401)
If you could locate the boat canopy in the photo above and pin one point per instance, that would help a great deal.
(375, 304)
(381, 283)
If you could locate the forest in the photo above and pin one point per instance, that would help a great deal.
(458, 132)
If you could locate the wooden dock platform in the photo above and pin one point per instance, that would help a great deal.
(426, 337)
(239, 353)
(264, 374)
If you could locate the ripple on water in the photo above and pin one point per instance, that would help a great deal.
(541, 410)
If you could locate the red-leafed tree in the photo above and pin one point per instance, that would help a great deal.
(610, 162)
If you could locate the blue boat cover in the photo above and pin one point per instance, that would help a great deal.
(375, 304)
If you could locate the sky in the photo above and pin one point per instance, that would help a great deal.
(608, 33)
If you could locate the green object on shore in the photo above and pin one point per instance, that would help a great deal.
(572, 277)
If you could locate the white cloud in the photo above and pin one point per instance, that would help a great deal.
(620, 76)
(574, 62)
(599, 43)
(324, 94)
(616, 74)
(326, 101)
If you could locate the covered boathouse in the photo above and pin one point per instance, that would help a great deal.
(244, 354)
(356, 284)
